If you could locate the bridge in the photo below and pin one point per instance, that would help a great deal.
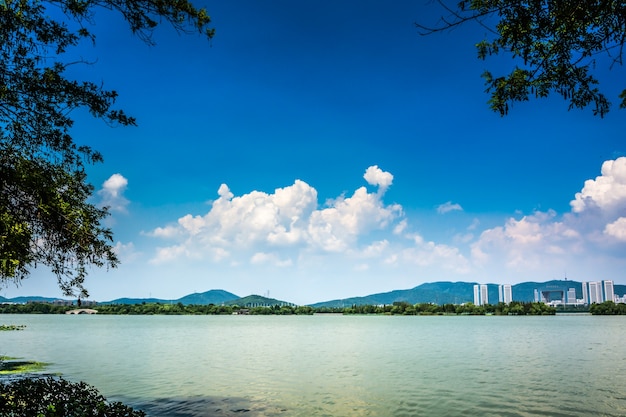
(82, 311)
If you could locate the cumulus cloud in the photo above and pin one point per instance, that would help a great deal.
(617, 229)
(527, 242)
(607, 192)
(289, 218)
(376, 176)
(596, 221)
(112, 193)
(448, 207)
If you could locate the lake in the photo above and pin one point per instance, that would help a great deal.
(192, 366)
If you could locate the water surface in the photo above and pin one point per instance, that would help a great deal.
(192, 366)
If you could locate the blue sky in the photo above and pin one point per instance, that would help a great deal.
(321, 150)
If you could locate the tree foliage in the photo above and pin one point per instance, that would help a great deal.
(556, 45)
(56, 397)
(46, 217)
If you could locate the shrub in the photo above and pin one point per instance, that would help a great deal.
(56, 397)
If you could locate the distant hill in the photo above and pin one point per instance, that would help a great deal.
(26, 299)
(459, 292)
(205, 298)
(209, 297)
(435, 292)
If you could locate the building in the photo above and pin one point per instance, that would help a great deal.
(505, 293)
(481, 294)
(598, 292)
(571, 296)
(508, 293)
(609, 292)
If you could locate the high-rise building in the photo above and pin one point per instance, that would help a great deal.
(536, 293)
(481, 296)
(571, 296)
(609, 292)
(595, 292)
(484, 294)
(505, 294)
(585, 293)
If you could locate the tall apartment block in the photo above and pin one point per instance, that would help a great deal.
(505, 293)
(481, 294)
(598, 292)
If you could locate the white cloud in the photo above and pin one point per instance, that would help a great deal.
(429, 254)
(617, 229)
(542, 239)
(256, 223)
(376, 176)
(527, 242)
(607, 192)
(336, 228)
(125, 252)
(448, 207)
(112, 191)
(269, 258)
(359, 232)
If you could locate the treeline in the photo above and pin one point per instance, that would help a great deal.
(397, 308)
(157, 309)
(424, 309)
(608, 308)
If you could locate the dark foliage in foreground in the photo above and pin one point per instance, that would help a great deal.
(56, 397)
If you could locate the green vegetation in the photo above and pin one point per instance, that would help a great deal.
(397, 308)
(608, 308)
(56, 397)
(10, 366)
(426, 309)
(7, 327)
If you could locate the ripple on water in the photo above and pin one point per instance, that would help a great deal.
(207, 407)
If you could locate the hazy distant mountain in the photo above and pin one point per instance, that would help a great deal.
(26, 299)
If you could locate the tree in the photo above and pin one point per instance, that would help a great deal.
(556, 45)
(45, 216)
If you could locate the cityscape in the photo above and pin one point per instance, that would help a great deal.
(592, 292)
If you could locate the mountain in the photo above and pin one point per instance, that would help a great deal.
(26, 299)
(434, 292)
(205, 298)
(461, 292)
(209, 297)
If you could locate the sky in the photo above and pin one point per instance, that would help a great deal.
(321, 150)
